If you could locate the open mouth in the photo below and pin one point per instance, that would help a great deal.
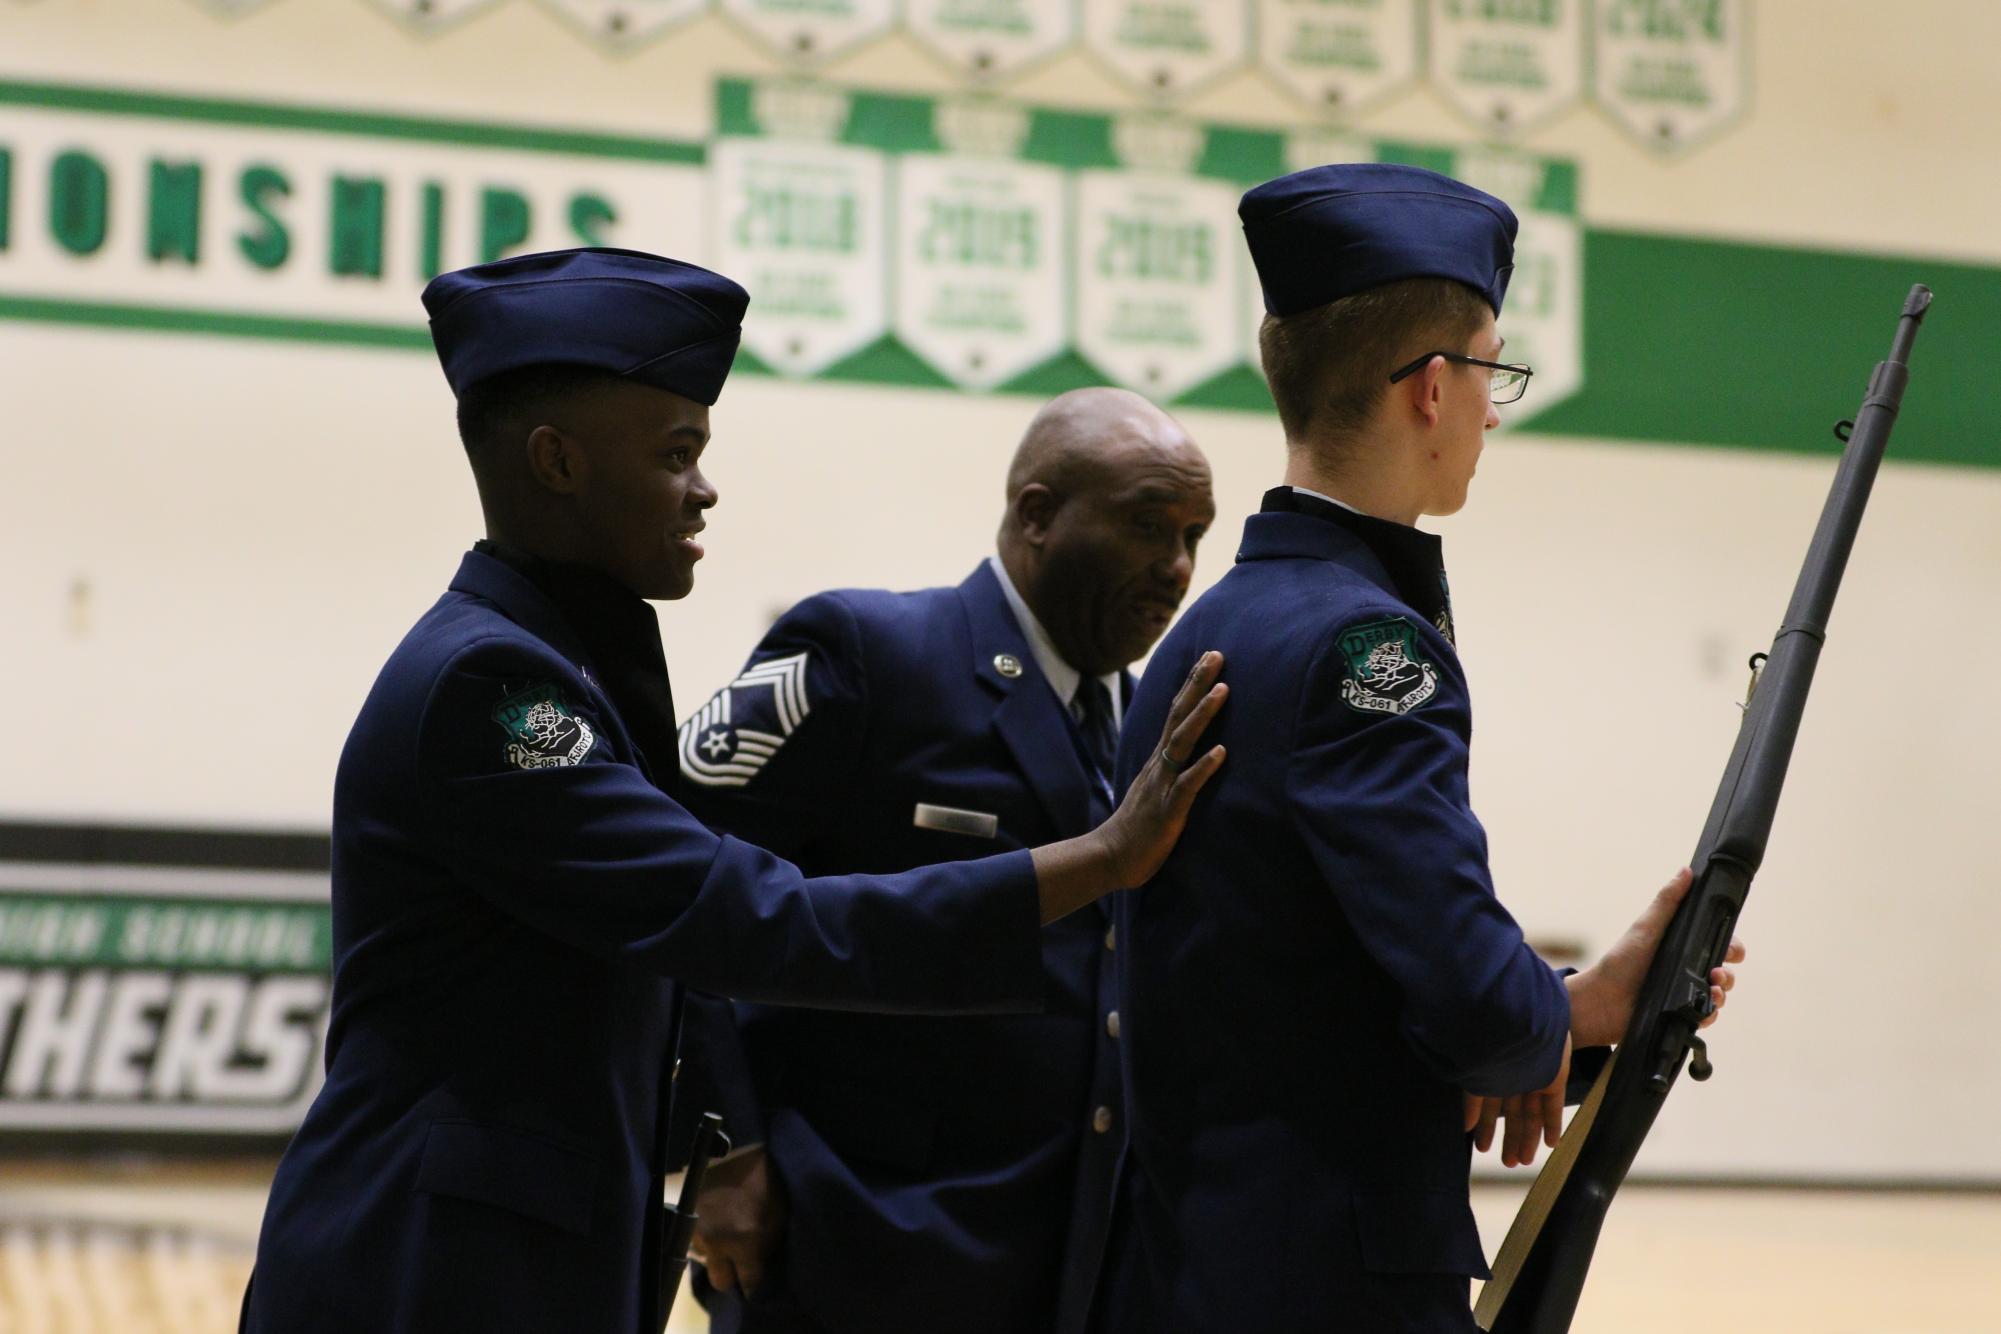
(685, 542)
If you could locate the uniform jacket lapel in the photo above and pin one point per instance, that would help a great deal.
(1027, 714)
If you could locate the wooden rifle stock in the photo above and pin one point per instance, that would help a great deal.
(1541, 1268)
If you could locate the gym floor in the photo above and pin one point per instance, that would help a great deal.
(135, 1246)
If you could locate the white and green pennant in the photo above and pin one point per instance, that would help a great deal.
(1168, 47)
(1509, 66)
(801, 219)
(1343, 56)
(808, 31)
(985, 244)
(1671, 74)
(991, 39)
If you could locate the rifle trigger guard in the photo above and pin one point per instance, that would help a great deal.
(1842, 429)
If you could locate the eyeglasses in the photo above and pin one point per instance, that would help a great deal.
(1506, 383)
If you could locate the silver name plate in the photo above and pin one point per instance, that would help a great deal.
(951, 820)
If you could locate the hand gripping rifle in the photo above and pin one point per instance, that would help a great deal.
(710, 1143)
(1541, 1268)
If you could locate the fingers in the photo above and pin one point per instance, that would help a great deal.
(1721, 980)
(1208, 669)
(722, 1274)
(1659, 912)
(1552, 1117)
(1490, 1115)
(1735, 954)
(1179, 743)
(1524, 1124)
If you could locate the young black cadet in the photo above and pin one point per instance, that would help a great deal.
(512, 893)
(943, 1174)
(1321, 973)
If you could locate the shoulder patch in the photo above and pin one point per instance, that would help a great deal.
(1384, 669)
(729, 739)
(542, 731)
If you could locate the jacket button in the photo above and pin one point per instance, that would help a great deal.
(1112, 1023)
(1101, 1120)
(1111, 937)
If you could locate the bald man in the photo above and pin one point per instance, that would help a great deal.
(911, 1176)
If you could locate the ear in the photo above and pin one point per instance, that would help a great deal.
(1034, 509)
(554, 460)
(1425, 391)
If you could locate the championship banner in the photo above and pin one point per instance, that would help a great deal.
(299, 222)
(980, 265)
(1508, 67)
(815, 30)
(429, 16)
(1672, 75)
(1157, 291)
(160, 981)
(1168, 47)
(990, 39)
(621, 25)
(1341, 55)
(985, 244)
(800, 220)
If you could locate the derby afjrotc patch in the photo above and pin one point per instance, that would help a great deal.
(1385, 671)
(542, 732)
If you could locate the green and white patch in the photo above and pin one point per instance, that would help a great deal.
(1384, 668)
(544, 733)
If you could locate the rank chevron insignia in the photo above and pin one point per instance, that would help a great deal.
(729, 739)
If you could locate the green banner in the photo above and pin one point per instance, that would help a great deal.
(962, 242)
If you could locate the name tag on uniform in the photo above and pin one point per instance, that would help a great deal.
(952, 820)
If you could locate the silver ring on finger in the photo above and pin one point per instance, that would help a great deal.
(1174, 765)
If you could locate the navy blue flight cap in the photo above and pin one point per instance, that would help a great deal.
(1328, 232)
(637, 316)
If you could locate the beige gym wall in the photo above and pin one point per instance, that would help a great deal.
(211, 543)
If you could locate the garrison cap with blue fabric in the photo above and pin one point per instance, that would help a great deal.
(1321, 967)
(943, 1174)
(516, 896)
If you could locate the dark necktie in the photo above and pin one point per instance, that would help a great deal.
(1094, 723)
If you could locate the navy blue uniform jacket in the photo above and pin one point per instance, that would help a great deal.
(944, 1174)
(511, 895)
(1320, 968)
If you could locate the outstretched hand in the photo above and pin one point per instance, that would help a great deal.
(1129, 847)
(1143, 830)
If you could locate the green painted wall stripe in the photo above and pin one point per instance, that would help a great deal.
(1762, 347)
(277, 116)
(166, 319)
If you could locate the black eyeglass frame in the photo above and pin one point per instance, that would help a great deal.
(1458, 359)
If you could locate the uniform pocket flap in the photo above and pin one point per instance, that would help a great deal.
(510, 1170)
(1418, 1232)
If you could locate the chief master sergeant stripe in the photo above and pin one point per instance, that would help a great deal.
(718, 753)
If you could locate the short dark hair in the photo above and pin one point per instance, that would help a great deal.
(1328, 367)
(497, 408)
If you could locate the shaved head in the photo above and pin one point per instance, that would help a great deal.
(1106, 498)
(1075, 437)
